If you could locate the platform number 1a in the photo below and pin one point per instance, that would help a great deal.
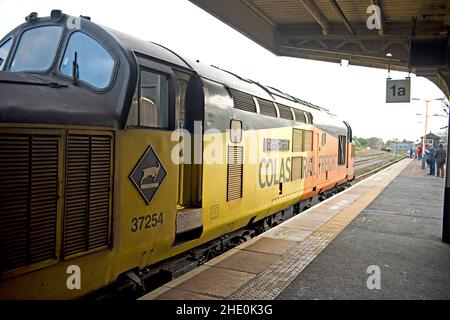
(398, 90)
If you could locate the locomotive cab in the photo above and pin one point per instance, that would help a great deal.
(87, 112)
(71, 54)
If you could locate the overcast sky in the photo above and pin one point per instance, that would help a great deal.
(356, 94)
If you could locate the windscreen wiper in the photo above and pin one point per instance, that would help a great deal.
(46, 84)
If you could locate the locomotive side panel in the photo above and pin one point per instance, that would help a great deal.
(277, 169)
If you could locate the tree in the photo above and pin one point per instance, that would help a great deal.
(361, 142)
(375, 143)
(390, 144)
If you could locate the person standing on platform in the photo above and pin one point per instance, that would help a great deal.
(411, 152)
(441, 155)
(431, 157)
(419, 152)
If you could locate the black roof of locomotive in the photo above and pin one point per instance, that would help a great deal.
(78, 109)
(214, 73)
(154, 50)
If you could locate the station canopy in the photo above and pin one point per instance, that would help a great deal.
(404, 35)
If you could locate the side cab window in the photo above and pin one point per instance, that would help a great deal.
(153, 104)
(5, 47)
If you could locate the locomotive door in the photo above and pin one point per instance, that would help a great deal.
(316, 156)
(189, 118)
(148, 173)
(349, 144)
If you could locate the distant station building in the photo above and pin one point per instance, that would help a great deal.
(431, 139)
(402, 147)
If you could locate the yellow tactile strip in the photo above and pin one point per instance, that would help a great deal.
(291, 245)
(268, 284)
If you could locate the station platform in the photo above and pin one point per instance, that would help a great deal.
(391, 220)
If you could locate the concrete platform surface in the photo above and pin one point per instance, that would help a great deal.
(397, 229)
(400, 232)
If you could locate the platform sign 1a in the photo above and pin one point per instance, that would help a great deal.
(398, 90)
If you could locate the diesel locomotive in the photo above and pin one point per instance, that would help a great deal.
(93, 201)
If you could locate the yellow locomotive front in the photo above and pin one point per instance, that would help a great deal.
(72, 178)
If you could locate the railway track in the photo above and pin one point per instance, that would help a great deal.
(364, 161)
(372, 171)
(360, 160)
(366, 164)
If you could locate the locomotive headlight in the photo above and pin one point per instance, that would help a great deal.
(31, 17)
(56, 15)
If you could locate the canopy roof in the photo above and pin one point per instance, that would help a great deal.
(414, 33)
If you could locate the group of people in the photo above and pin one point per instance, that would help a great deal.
(435, 158)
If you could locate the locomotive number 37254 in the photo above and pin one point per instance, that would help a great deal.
(146, 222)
